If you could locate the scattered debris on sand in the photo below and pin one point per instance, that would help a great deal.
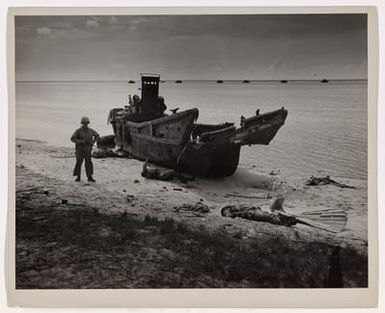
(332, 219)
(164, 232)
(276, 205)
(105, 142)
(109, 153)
(274, 172)
(321, 181)
(106, 148)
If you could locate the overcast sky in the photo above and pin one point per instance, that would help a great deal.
(191, 47)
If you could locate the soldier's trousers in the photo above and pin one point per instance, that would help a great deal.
(84, 153)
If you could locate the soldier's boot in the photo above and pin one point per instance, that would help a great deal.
(91, 179)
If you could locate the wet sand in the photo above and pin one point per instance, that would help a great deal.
(121, 191)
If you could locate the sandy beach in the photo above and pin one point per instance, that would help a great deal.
(44, 183)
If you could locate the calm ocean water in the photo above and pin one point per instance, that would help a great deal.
(326, 129)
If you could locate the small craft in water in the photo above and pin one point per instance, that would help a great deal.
(324, 81)
(178, 142)
(219, 81)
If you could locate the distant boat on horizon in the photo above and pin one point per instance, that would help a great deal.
(246, 81)
(324, 81)
(283, 81)
(131, 81)
(219, 81)
(178, 81)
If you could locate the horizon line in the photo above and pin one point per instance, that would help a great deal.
(195, 80)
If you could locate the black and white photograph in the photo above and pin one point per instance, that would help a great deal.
(174, 151)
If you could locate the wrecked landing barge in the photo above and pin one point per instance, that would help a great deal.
(177, 141)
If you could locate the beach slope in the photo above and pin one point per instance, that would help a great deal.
(126, 231)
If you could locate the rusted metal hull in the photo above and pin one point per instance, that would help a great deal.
(210, 160)
(177, 142)
(161, 140)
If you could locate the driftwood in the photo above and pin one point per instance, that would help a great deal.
(321, 181)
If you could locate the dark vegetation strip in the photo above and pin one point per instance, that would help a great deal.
(60, 247)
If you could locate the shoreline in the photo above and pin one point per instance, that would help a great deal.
(245, 185)
(48, 168)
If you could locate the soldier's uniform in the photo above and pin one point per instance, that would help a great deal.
(84, 139)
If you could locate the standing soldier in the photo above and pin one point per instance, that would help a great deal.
(84, 138)
(161, 105)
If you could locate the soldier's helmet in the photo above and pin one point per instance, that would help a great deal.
(85, 120)
(136, 98)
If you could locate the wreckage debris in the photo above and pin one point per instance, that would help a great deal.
(332, 219)
(109, 153)
(130, 198)
(321, 181)
(103, 153)
(105, 142)
(276, 205)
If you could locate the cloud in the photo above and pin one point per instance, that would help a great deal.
(43, 31)
(92, 24)
(60, 26)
